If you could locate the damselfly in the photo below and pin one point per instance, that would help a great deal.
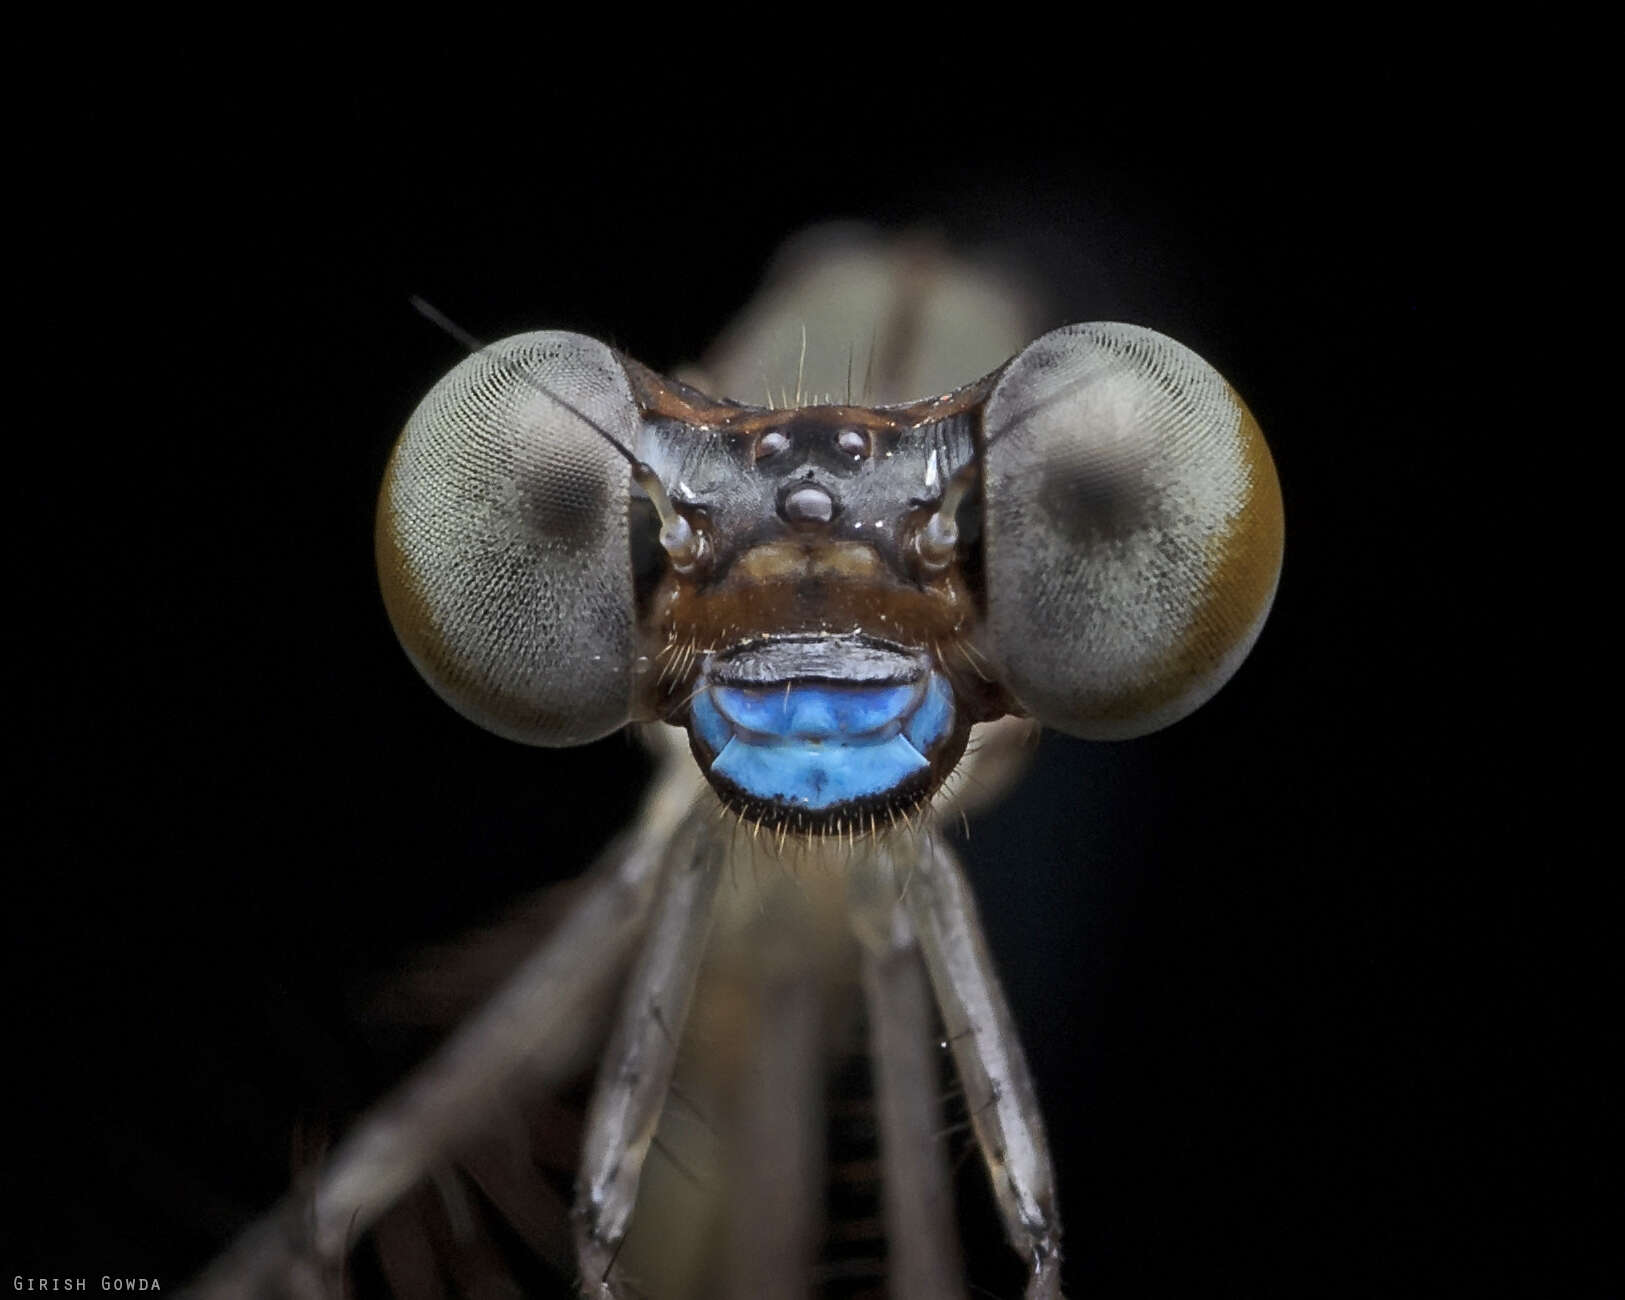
(839, 586)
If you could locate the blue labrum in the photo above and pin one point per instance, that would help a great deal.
(820, 744)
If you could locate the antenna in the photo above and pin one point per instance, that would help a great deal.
(678, 538)
(938, 537)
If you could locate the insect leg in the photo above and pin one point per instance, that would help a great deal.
(923, 1252)
(524, 1037)
(998, 1088)
(642, 1052)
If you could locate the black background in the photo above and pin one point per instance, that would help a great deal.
(1280, 970)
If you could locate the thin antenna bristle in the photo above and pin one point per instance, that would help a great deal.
(801, 364)
(474, 345)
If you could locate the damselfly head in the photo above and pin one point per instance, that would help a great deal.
(828, 597)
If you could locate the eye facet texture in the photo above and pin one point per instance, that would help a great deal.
(502, 539)
(1133, 529)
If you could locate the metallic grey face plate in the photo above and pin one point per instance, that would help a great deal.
(802, 472)
(856, 660)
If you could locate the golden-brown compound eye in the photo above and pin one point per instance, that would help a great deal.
(502, 539)
(1133, 529)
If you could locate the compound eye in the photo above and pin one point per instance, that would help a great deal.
(1133, 529)
(502, 539)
